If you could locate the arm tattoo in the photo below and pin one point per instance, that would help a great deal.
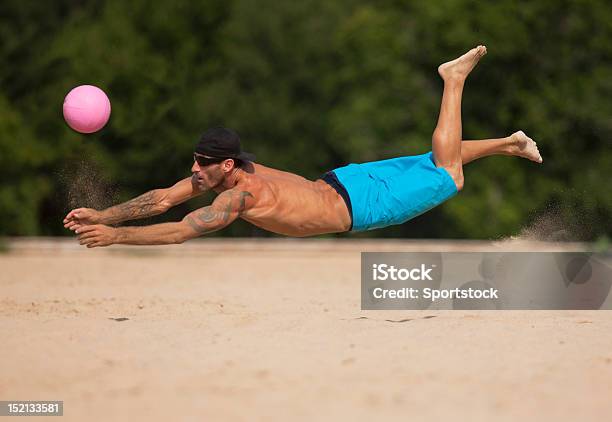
(142, 206)
(217, 215)
(208, 215)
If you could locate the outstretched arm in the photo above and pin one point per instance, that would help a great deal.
(226, 208)
(148, 204)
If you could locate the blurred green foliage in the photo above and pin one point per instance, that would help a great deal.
(310, 86)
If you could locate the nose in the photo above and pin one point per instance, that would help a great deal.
(195, 168)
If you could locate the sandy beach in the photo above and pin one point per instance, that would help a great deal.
(246, 330)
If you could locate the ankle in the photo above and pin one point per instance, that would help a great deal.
(454, 82)
(510, 143)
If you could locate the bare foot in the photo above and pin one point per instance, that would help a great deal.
(461, 67)
(523, 146)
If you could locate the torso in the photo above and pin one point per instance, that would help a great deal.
(291, 205)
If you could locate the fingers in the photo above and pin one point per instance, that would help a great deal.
(86, 229)
(69, 216)
(94, 242)
(73, 214)
(88, 235)
(92, 238)
(97, 245)
(72, 225)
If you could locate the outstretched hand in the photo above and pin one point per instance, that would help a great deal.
(96, 235)
(81, 217)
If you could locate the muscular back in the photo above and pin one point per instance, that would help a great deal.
(289, 204)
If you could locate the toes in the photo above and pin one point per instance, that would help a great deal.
(539, 156)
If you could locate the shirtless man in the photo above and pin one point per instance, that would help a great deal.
(351, 198)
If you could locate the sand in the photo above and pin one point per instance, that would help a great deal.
(272, 330)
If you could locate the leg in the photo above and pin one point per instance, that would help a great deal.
(472, 150)
(446, 139)
(518, 144)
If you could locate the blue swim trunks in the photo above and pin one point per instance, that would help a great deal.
(388, 192)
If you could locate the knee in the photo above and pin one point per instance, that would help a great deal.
(438, 136)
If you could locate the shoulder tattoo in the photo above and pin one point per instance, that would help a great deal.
(217, 215)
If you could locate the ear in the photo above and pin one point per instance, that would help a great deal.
(229, 164)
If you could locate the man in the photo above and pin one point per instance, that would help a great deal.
(355, 197)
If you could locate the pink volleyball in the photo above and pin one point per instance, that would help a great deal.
(86, 109)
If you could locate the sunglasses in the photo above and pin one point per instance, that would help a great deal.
(206, 161)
